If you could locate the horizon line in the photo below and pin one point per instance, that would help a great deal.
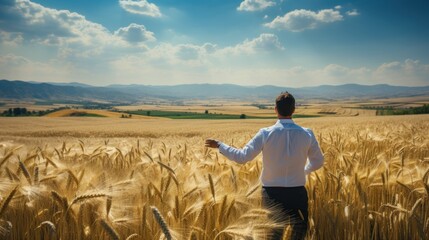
(183, 84)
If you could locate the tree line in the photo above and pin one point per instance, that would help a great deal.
(404, 111)
(23, 112)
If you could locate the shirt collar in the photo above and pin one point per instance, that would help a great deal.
(285, 121)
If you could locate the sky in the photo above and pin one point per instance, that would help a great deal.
(293, 43)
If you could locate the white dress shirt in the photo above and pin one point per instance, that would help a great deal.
(289, 152)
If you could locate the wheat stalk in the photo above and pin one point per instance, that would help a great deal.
(161, 222)
(36, 175)
(256, 187)
(134, 235)
(212, 187)
(6, 158)
(62, 201)
(25, 172)
(49, 225)
(87, 197)
(108, 206)
(109, 230)
(5, 203)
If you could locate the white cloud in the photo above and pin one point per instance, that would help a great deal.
(135, 33)
(183, 51)
(142, 7)
(190, 63)
(20, 68)
(210, 48)
(300, 20)
(198, 55)
(409, 72)
(70, 34)
(255, 5)
(338, 74)
(35, 23)
(353, 12)
(13, 60)
(295, 76)
(10, 39)
(266, 42)
(169, 56)
(406, 73)
(188, 51)
(386, 67)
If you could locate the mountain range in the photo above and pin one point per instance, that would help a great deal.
(24, 90)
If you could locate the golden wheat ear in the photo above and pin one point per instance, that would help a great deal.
(161, 222)
(109, 230)
(5, 203)
(49, 226)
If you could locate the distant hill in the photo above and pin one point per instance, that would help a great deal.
(205, 91)
(43, 91)
(72, 84)
(135, 93)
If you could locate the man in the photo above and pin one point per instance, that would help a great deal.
(289, 152)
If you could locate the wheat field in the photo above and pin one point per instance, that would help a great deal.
(98, 178)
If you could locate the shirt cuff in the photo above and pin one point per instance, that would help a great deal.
(222, 147)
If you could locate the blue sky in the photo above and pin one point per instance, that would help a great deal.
(249, 42)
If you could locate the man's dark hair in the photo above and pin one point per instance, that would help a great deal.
(285, 104)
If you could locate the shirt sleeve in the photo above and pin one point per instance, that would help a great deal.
(315, 156)
(249, 152)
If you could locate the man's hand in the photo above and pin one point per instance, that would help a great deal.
(211, 143)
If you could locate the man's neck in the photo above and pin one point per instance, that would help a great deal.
(284, 117)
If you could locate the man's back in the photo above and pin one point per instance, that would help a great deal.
(285, 147)
(285, 150)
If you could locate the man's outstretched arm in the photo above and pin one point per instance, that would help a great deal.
(249, 152)
(315, 156)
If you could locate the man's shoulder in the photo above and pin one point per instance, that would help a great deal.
(307, 130)
(294, 126)
(300, 128)
(280, 126)
(270, 128)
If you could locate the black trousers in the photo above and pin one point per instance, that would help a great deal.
(290, 207)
